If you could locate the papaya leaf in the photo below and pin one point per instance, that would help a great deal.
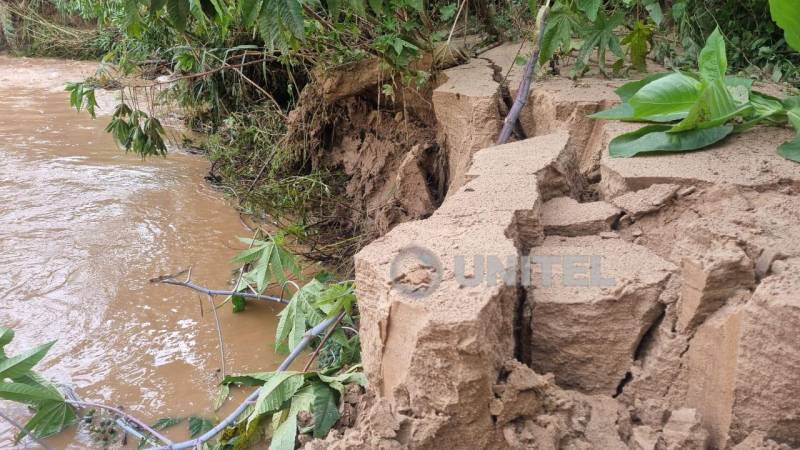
(786, 13)
(666, 99)
(199, 425)
(561, 24)
(52, 416)
(21, 364)
(590, 8)
(167, 422)
(654, 138)
(25, 393)
(600, 35)
(637, 41)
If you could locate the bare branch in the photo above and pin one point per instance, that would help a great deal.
(170, 279)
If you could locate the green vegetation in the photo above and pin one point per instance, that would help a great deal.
(702, 108)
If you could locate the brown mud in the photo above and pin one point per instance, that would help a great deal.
(83, 227)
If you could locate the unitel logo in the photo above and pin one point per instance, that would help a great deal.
(415, 272)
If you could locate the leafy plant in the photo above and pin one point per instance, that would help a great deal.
(695, 110)
(786, 13)
(19, 383)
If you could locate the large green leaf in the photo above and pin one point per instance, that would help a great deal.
(285, 435)
(326, 410)
(629, 89)
(21, 364)
(666, 99)
(712, 61)
(786, 13)
(715, 107)
(51, 417)
(791, 150)
(654, 138)
(623, 111)
(249, 10)
(178, 11)
(275, 392)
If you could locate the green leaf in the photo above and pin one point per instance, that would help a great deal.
(285, 435)
(377, 6)
(326, 411)
(178, 11)
(156, 5)
(199, 425)
(25, 393)
(249, 11)
(590, 8)
(666, 99)
(238, 303)
(600, 35)
(270, 261)
(628, 90)
(166, 422)
(52, 416)
(19, 365)
(791, 150)
(275, 392)
(654, 138)
(714, 107)
(6, 336)
(558, 31)
(248, 379)
(637, 41)
(654, 8)
(786, 13)
(713, 62)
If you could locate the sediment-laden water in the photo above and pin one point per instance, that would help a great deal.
(83, 227)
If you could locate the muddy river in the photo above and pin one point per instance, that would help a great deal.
(82, 228)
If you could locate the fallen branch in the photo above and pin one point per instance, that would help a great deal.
(527, 79)
(170, 279)
(308, 336)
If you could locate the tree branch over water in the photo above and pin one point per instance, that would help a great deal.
(172, 279)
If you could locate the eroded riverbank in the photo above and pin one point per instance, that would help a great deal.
(82, 228)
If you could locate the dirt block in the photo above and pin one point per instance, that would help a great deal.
(587, 335)
(437, 353)
(710, 278)
(747, 159)
(564, 216)
(683, 431)
(744, 366)
(465, 105)
(645, 201)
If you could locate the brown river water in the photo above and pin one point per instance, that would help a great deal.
(83, 227)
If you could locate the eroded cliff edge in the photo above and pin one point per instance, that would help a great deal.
(695, 344)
